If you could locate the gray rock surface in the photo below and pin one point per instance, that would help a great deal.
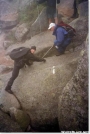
(66, 8)
(21, 4)
(73, 101)
(7, 124)
(37, 88)
(6, 44)
(8, 100)
(81, 26)
(21, 32)
(20, 117)
(4, 68)
(41, 41)
(40, 88)
(83, 9)
(8, 15)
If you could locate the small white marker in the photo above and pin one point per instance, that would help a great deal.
(53, 69)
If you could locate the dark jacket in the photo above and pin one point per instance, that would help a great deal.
(32, 57)
(60, 34)
(51, 3)
(28, 59)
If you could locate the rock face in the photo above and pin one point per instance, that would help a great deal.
(39, 86)
(83, 9)
(21, 32)
(66, 8)
(8, 15)
(24, 3)
(73, 102)
(20, 117)
(81, 25)
(4, 68)
(6, 97)
(21, 4)
(8, 125)
(40, 89)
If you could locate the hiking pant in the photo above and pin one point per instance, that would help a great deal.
(62, 47)
(51, 12)
(17, 66)
(15, 74)
(75, 6)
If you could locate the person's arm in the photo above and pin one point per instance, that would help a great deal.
(34, 58)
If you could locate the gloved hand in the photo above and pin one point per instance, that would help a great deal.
(44, 60)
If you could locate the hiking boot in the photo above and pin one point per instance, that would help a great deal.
(59, 54)
(8, 90)
(75, 16)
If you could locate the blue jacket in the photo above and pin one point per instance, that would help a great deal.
(61, 36)
(51, 3)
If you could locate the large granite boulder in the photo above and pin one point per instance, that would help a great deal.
(21, 117)
(20, 4)
(66, 8)
(7, 124)
(83, 9)
(39, 89)
(73, 101)
(81, 25)
(6, 97)
(21, 32)
(8, 15)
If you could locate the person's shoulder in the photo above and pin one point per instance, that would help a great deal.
(60, 29)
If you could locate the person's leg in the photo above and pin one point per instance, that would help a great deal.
(55, 16)
(50, 14)
(14, 76)
(65, 44)
(60, 50)
(75, 14)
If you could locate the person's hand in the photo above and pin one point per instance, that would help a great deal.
(44, 60)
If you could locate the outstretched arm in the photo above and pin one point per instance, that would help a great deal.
(34, 58)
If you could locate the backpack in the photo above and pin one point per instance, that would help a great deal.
(71, 31)
(18, 53)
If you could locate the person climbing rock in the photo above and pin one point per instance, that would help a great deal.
(51, 10)
(22, 56)
(63, 39)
